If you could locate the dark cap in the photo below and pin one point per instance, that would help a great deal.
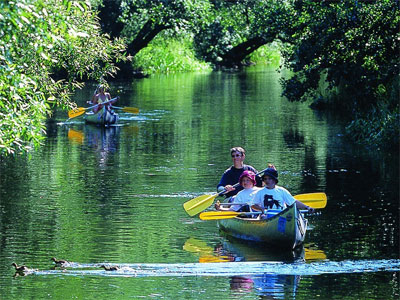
(271, 172)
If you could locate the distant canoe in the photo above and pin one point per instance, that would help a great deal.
(102, 117)
(286, 229)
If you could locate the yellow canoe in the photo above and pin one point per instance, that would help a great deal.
(287, 229)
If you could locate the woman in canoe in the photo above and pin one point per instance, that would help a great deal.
(231, 175)
(273, 196)
(100, 96)
(245, 197)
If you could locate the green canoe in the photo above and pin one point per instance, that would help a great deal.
(286, 229)
(102, 117)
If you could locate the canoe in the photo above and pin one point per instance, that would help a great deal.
(286, 229)
(102, 117)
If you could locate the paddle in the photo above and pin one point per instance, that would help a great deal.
(198, 204)
(227, 214)
(81, 110)
(131, 110)
(314, 200)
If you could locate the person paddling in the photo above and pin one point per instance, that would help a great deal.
(232, 174)
(100, 95)
(273, 196)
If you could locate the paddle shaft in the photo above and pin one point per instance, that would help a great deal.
(198, 204)
(105, 102)
(314, 200)
(132, 110)
(81, 110)
(229, 214)
(219, 215)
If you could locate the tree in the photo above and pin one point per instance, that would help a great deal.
(46, 49)
(353, 42)
(143, 20)
(238, 28)
(353, 47)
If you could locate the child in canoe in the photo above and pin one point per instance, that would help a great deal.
(244, 199)
(273, 196)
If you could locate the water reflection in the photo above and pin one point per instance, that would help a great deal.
(271, 286)
(102, 140)
(235, 250)
(76, 136)
(268, 286)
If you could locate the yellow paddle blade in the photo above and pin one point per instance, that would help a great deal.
(76, 112)
(132, 110)
(218, 215)
(198, 204)
(314, 200)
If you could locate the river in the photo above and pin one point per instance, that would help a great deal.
(114, 196)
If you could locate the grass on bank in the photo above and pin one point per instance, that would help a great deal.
(168, 56)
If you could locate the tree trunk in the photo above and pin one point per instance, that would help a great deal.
(237, 54)
(145, 36)
(148, 32)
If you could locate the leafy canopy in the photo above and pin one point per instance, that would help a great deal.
(46, 49)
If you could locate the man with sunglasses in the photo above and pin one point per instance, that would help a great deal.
(231, 175)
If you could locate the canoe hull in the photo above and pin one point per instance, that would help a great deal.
(284, 230)
(103, 117)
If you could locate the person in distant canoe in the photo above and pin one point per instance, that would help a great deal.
(273, 196)
(231, 175)
(100, 95)
(246, 196)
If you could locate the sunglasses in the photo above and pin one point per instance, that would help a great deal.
(236, 155)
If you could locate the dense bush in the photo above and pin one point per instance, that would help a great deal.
(168, 55)
(46, 49)
(355, 46)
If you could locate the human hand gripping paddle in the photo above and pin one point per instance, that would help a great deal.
(198, 204)
(314, 200)
(81, 110)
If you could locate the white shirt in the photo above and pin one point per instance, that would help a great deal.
(276, 198)
(245, 196)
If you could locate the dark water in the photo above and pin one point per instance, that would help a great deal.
(114, 196)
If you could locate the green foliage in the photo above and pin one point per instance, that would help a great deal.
(46, 49)
(237, 28)
(354, 45)
(268, 54)
(354, 42)
(379, 128)
(144, 19)
(168, 55)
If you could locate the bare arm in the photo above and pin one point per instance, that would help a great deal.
(301, 205)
